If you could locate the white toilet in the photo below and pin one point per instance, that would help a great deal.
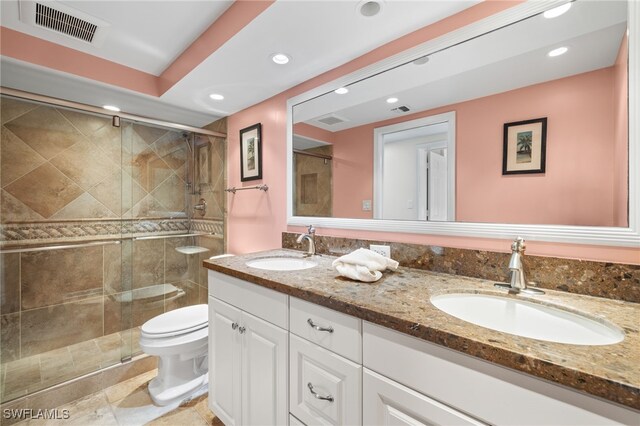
(179, 339)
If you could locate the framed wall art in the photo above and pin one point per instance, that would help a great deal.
(251, 153)
(524, 148)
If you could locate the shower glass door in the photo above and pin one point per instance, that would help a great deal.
(158, 263)
(61, 252)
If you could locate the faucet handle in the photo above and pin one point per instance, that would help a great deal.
(311, 230)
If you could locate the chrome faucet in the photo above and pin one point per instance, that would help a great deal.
(310, 237)
(518, 272)
(201, 206)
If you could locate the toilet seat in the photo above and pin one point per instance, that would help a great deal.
(180, 344)
(177, 322)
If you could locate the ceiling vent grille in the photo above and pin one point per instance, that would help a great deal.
(331, 120)
(56, 20)
(401, 109)
(64, 20)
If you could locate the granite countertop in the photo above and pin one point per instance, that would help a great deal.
(400, 301)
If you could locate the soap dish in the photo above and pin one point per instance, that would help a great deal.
(191, 249)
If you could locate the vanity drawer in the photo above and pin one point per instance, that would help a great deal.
(262, 302)
(313, 323)
(313, 369)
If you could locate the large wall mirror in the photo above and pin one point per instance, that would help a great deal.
(520, 125)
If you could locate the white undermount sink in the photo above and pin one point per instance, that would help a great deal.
(282, 263)
(527, 319)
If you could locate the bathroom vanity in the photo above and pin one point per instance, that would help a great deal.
(308, 347)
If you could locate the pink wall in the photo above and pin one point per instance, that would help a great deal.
(257, 219)
(352, 172)
(579, 130)
(621, 140)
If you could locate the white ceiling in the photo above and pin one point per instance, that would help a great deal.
(510, 58)
(319, 35)
(145, 35)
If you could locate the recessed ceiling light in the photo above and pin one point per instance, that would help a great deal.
(557, 52)
(392, 100)
(369, 8)
(111, 108)
(280, 58)
(341, 90)
(216, 97)
(557, 11)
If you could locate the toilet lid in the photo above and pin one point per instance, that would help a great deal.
(185, 320)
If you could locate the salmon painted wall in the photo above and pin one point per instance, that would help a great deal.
(580, 156)
(257, 219)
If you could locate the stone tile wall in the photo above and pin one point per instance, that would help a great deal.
(71, 177)
(319, 202)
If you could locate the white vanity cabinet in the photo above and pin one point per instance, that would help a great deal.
(248, 343)
(278, 360)
(412, 381)
(325, 370)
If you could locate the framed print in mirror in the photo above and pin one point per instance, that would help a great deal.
(524, 146)
(251, 153)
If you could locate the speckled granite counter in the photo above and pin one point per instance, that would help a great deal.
(400, 301)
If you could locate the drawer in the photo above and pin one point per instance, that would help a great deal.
(386, 402)
(316, 373)
(330, 329)
(262, 302)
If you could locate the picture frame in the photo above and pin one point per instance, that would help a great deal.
(525, 144)
(251, 153)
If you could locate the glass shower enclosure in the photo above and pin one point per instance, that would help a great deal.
(98, 235)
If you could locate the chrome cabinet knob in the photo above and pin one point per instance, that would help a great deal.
(234, 326)
(241, 330)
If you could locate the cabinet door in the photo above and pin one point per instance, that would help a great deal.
(386, 402)
(264, 372)
(325, 387)
(224, 361)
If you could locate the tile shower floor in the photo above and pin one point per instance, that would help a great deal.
(36, 372)
(129, 404)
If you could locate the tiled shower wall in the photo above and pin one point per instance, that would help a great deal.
(313, 185)
(67, 176)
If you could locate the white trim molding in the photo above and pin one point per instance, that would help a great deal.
(591, 235)
(378, 157)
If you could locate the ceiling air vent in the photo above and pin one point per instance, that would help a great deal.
(331, 120)
(63, 22)
(401, 109)
(63, 19)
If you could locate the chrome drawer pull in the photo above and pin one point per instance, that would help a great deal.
(234, 326)
(241, 330)
(315, 394)
(319, 328)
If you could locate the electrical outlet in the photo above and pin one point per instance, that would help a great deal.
(383, 250)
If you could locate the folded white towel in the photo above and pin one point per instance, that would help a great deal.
(363, 265)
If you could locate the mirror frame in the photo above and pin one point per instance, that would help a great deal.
(594, 235)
